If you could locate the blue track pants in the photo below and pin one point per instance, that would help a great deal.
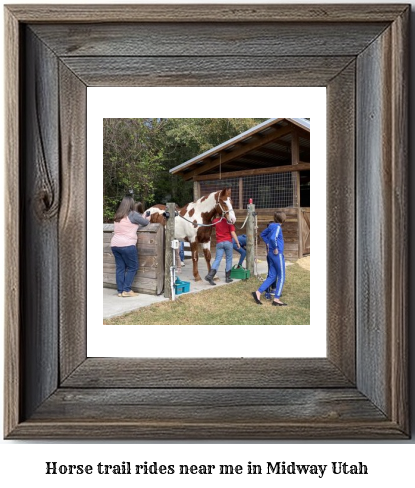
(276, 273)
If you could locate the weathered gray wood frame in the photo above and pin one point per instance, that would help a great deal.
(52, 390)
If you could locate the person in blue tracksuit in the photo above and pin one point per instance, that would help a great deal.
(271, 289)
(241, 249)
(273, 238)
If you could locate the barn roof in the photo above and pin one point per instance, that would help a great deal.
(265, 145)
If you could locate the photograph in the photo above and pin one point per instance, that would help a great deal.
(207, 365)
(239, 215)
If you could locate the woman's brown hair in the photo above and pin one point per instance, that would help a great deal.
(124, 208)
(139, 207)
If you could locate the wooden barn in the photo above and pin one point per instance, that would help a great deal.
(269, 163)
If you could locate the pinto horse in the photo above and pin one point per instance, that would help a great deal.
(194, 222)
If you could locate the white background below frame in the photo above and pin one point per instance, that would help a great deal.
(206, 340)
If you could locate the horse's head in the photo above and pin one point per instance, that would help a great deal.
(224, 205)
(157, 214)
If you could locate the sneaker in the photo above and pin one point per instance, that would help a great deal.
(120, 294)
(129, 294)
(183, 263)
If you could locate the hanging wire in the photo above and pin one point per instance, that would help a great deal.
(220, 165)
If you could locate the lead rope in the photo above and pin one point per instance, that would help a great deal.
(200, 225)
(243, 225)
(220, 166)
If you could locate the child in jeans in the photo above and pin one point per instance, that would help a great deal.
(274, 240)
(241, 249)
(224, 234)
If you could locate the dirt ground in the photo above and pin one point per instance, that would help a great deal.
(304, 262)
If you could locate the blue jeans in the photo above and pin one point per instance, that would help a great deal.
(126, 264)
(223, 247)
(242, 252)
(181, 251)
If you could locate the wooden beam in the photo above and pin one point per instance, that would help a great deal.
(288, 143)
(303, 133)
(276, 152)
(263, 159)
(295, 148)
(295, 159)
(250, 236)
(236, 165)
(254, 172)
(168, 251)
(239, 165)
(196, 190)
(241, 149)
(241, 194)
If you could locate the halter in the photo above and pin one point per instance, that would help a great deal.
(220, 206)
(223, 211)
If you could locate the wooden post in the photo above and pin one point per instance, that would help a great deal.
(295, 159)
(196, 190)
(168, 252)
(250, 236)
(241, 194)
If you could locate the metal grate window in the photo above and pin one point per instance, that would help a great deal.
(210, 186)
(267, 191)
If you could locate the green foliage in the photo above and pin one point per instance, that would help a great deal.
(138, 154)
(133, 159)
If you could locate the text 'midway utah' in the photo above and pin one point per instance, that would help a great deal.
(280, 467)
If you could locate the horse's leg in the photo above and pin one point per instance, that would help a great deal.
(207, 253)
(208, 256)
(195, 258)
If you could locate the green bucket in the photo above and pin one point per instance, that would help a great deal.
(240, 273)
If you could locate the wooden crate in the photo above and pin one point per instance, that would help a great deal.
(150, 247)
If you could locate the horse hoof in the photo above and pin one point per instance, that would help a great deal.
(198, 278)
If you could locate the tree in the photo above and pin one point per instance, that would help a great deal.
(133, 159)
(138, 154)
(187, 138)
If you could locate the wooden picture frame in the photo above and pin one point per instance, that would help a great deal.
(360, 53)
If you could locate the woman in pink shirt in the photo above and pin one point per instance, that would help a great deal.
(124, 245)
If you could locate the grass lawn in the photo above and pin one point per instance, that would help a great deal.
(232, 304)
